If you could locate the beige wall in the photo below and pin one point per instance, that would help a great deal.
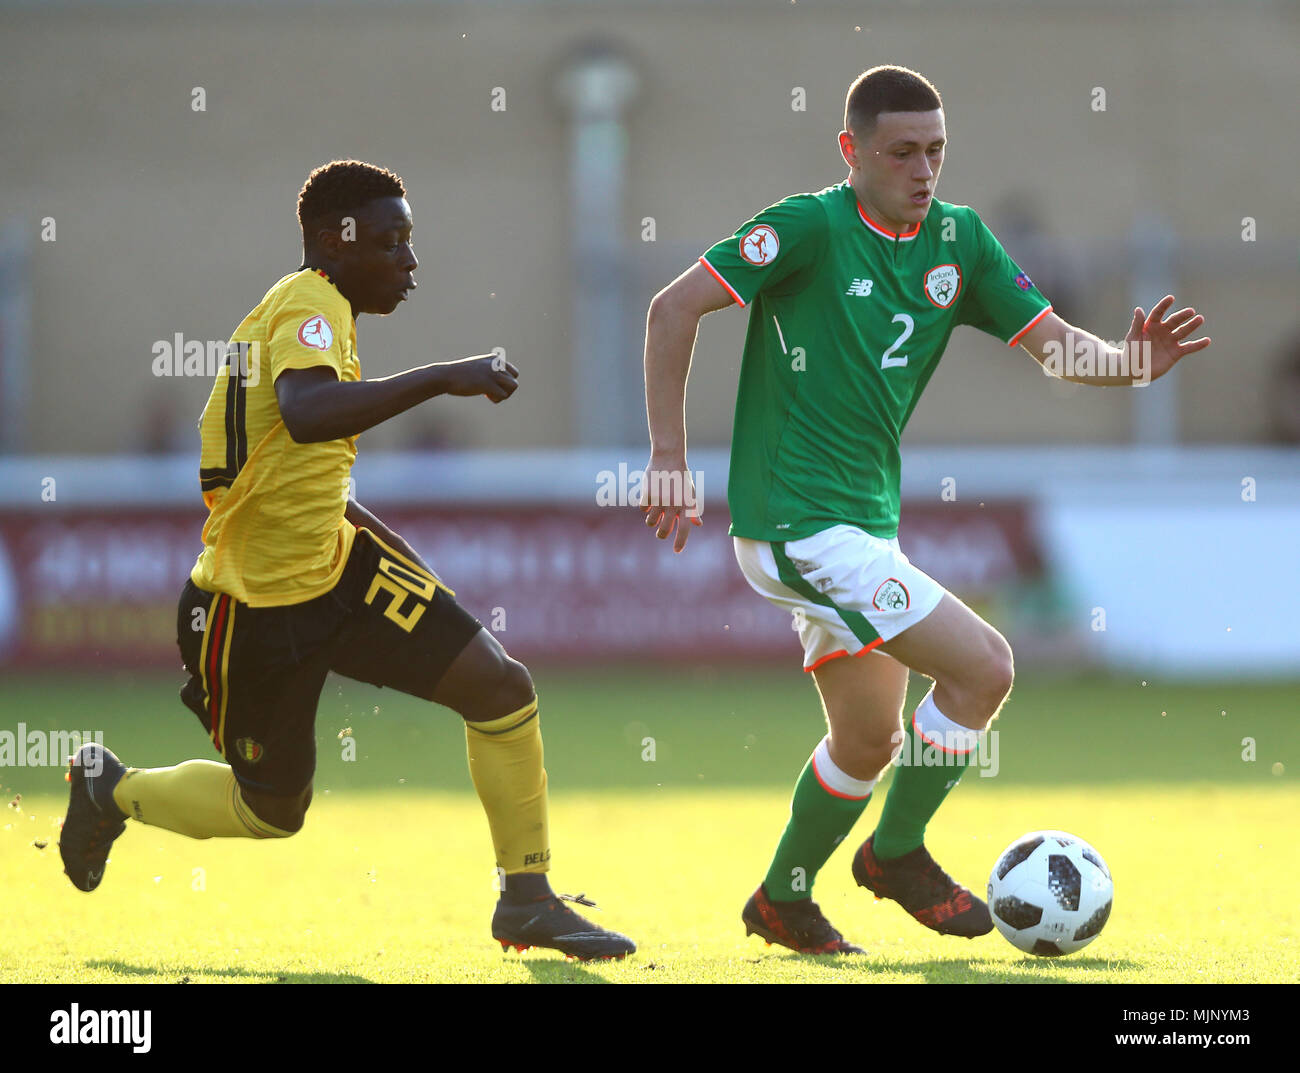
(171, 221)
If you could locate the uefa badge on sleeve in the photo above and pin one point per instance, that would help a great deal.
(759, 245)
(316, 333)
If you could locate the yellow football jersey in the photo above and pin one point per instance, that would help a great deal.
(275, 532)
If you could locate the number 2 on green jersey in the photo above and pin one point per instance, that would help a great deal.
(887, 361)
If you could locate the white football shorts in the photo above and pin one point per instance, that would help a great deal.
(849, 591)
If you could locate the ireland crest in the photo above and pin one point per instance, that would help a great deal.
(892, 595)
(942, 285)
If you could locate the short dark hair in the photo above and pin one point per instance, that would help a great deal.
(339, 189)
(887, 89)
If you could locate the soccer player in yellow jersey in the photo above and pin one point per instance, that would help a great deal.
(297, 579)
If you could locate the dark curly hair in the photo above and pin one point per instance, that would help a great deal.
(886, 89)
(339, 189)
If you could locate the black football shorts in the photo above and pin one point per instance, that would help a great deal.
(256, 673)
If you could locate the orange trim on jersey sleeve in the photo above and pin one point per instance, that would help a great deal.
(716, 275)
(1016, 338)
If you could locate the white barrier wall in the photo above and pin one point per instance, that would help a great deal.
(1161, 562)
(1184, 589)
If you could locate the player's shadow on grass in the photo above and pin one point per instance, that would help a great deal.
(177, 974)
(554, 970)
(959, 971)
(1044, 970)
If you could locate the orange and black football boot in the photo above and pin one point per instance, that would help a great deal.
(917, 883)
(798, 925)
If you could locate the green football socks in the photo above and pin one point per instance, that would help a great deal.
(936, 753)
(826, 804)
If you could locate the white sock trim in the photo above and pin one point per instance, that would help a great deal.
(833, 780)
(938, 730)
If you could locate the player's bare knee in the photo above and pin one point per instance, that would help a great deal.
(892, 746)
(873, 761)
(287, 814)
(863, 752)
(979, 694)
(1000, 673)
(288, 819)
(501, 685)
(516, 689)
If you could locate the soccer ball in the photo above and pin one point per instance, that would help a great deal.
(1050, 893)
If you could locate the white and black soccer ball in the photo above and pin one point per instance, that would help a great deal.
(1050, 893)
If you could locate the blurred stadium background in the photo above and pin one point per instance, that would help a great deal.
(564, 162)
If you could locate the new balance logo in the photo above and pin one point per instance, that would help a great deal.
(859, 288)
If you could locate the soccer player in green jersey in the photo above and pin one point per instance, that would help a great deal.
(853, 292)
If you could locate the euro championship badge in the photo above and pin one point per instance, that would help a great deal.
(759, 245)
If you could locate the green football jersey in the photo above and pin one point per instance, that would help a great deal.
(847, 323)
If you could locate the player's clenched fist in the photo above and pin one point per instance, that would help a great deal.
(483, 374)
(669, 499)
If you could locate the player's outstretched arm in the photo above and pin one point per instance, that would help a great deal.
(317, 406)
(667, 491)
(1155, 344)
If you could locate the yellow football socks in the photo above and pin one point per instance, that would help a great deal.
(199, 798)
(505, 762)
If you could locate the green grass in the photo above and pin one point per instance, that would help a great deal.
(390, 881)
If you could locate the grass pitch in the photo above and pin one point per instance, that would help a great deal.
(390, 880)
